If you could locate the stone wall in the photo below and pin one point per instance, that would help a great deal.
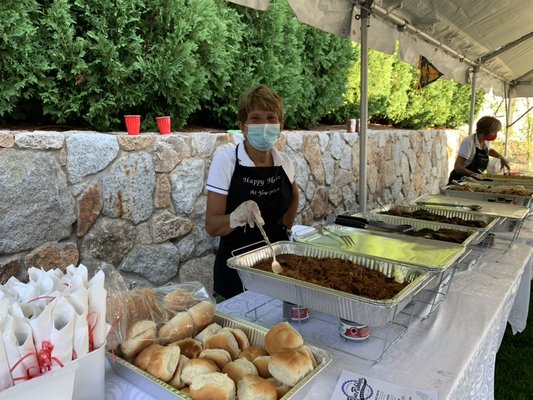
(138, 202)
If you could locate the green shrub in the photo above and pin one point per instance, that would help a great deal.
(89, 62)
(21, 59)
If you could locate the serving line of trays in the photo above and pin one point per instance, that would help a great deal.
(388, 314)
(509, 217)
(484, 191)
(256, 335)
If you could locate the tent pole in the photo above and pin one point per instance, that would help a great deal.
(363, 112)
(472, 100)
(507, 99)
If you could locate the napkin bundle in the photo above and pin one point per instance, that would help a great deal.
(54, 318)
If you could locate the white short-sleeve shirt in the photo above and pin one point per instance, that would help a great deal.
(223, 165)
(467, 149)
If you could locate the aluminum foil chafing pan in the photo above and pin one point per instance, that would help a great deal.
(344, 305)
(489, 220)
(418, 224)
(256, 334)
(489, 195)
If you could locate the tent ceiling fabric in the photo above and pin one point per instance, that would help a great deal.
(454, 35)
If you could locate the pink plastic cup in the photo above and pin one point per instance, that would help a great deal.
(133, 124)
(163, 123)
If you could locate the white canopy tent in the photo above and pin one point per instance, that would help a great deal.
(488, 43)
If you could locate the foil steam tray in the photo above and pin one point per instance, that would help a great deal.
(496, 210)
(330, 301)
(488, 196)
(256, 334)
(490, 220)
(417, 224)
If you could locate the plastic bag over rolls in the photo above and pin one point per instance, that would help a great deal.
(160, 315)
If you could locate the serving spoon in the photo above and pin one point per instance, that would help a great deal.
(473, 207)
(276, 266)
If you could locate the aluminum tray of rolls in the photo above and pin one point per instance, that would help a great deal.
(256, 335)
(491, 196)
(474, 234)
(449, 213)
(330, 301)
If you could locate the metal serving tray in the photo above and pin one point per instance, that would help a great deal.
(256, 334)
(343, 305)
(509, 181)
(491, 196)
(447, 212)
(433, 255)
(496, 210)
(418, 224)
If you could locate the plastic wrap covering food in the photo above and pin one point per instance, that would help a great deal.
(162, 315)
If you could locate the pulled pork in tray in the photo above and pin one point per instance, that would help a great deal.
(429, 216)
(334, 273)
(446, 235)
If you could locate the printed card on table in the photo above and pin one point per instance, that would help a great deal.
(354, 386)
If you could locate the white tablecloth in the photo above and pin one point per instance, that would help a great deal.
(452, 351)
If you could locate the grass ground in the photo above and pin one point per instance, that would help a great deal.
(514, 363)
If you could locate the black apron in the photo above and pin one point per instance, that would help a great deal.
(271, 189)
(478, 164)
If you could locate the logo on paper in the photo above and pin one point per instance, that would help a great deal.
(357, 389)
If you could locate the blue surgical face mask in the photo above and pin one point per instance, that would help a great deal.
(263, 136)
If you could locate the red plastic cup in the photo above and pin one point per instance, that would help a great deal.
(133, 124)
(163, 123)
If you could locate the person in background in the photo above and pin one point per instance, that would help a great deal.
(248, 184)
(474, 151)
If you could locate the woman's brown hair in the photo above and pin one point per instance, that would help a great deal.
(488, 125)
(260, 97)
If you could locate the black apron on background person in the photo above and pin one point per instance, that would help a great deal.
(478, 165)
(271, 189)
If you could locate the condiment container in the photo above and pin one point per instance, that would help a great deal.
(293, 312)
(352, 330)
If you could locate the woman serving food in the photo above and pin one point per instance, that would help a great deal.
(474, 152)
(248, 184)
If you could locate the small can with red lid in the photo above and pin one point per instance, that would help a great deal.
(293, 312)
(352, 330)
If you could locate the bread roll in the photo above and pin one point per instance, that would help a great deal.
(241, 337)
(212, 386)
(251, 352)
(179, 327)
(144, 304)
(282, 336)
(310, 354)
(281, 388)
(261, 363)
(176, 380)
(141, 334)
(224, 339)
(220, 356)
(196, 367)
(143, 358)
(289, 365)
(202, 314)
(190, 347)
(252, 387)
(209, 330)
(163, 362)
(178, 300)
(238, 368)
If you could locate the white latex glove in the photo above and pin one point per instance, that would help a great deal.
(247, 213)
